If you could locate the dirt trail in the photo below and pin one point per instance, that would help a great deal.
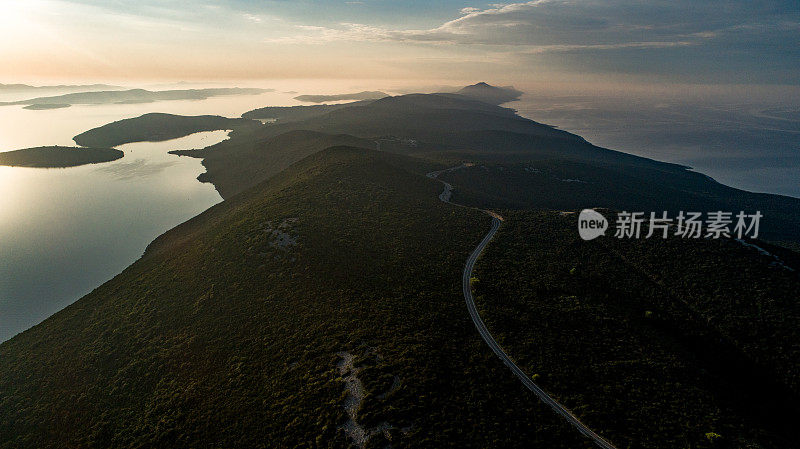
(355, 394)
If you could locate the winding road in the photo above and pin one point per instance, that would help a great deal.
(487, 337)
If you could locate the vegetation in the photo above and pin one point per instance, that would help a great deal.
(223, 336)
(55, 156)
(490, 94)
(653, 343)
(156, 127)
(519, 163)
(644, 185)
(366, 95)
(236, 164)
(217, 338)
(283, 114)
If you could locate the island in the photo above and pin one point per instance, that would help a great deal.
(365, 95)
(284, 114)
(353, 286)
(58, 156)
(156, 127)
(57, 88)
(131, 96)
(46, 106)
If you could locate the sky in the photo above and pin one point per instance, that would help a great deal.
(644, 41)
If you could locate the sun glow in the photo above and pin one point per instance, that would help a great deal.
(18, 14)
(18, 26)
(11, 14)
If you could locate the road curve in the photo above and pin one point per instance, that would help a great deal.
(487, 337)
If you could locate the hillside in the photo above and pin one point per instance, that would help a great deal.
(365, 95)
(238, 164)
(225, 334)
(655, 342)
(520, 163)
(490, 94)
(282, 114)
(567, 184)
(55, 156)
(156, 127)
(331, 264)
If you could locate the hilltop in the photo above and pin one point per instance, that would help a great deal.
(490, 94)
(332, 262)
(220, 335)
(522, 163)
(156, 127)
(365, 95)
(237, 171)
(233, 328)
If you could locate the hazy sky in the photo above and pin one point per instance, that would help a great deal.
(685, 41)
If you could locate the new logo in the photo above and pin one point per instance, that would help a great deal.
(591, 224)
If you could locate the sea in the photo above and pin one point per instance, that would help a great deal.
(63, 232)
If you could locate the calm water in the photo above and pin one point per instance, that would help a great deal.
(64, 232)
(752, 145)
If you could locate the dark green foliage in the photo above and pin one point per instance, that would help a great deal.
(241, 162)
(286, 114)
(638, 185)
(219, 337)
(156, 127)
(365, 95)
(521, 163)
(56, 156)
(652, 343)
(205, 343)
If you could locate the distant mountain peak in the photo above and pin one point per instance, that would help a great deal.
(490, 94)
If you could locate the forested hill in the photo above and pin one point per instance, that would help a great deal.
(231, 337)
(333, 259)
(235, 329)
(539, 159)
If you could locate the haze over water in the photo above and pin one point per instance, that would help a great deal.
(63, 232)
(747, 143)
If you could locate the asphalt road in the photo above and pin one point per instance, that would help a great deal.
(487, 337)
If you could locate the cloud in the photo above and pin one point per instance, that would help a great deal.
(573, 47)
(745, 39)
(541, 26)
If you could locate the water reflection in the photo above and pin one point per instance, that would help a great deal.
(136, 169)
(65, 231)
